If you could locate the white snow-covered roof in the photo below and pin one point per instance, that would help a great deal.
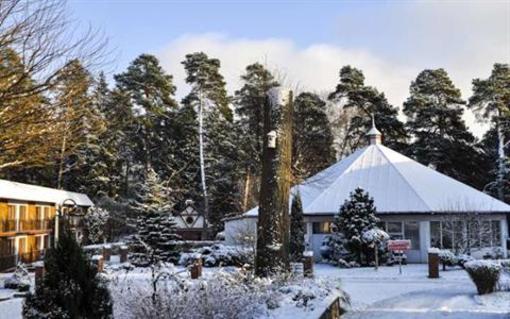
(33, 193)
(397, 183)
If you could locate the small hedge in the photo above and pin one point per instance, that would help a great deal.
(485, 275)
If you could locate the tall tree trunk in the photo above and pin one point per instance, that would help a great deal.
(273, 217)
(247, 188)
(500, 176)
(202, 165)
(61, 160)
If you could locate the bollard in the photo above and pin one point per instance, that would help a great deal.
(196, 266)
(308, 264)
(99, 261)
(107, 252)
(123, 254)
(433, 255)
(39, 273)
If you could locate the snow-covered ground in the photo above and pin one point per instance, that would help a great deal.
(374, 294)
(386, 294)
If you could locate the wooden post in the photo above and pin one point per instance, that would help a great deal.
(308, 264)
(107, 252)
(196, 267)
(433, 263)
(123, 252)
(100, 262)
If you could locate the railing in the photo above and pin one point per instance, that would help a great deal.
(12, 225)
(10, 261)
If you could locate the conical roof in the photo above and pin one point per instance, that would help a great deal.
(397, 183)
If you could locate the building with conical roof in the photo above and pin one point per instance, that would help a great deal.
(413, 202)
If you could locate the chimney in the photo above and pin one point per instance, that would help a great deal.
(374, 135)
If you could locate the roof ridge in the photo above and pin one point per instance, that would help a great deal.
(39, 186)
(361, 151)
(402, 175)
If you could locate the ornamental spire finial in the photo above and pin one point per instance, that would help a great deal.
(374, 135)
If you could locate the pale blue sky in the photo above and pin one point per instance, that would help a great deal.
(308, 41)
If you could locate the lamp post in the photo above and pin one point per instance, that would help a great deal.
(65, 202)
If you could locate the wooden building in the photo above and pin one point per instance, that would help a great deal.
(190, 222)
(27, 219)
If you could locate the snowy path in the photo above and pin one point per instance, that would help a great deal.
(386, 294)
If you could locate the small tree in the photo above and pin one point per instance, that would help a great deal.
(71, 287)
(297, 229)
(155, 225)
(356, 216)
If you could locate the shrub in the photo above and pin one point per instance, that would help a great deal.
(485, 275)
(447, 258)
(219, 255)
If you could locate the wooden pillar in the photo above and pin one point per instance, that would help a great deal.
(123, 252)
(39, 273)
(433, 263)
(107, 252)
(196, 267)
(308, 264)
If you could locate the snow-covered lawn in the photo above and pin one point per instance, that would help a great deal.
(386, 294)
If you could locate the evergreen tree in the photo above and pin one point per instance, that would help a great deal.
(71, 286)
(356, 216)
(249, 101)
(312, 141)
(364, 101)
(217, 149)
(150, 91)
(155, 225)
(297, 229)
(491, 102)
(441, 138)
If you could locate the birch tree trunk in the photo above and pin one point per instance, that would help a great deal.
(202, 164)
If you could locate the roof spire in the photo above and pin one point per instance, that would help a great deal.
(374, 135)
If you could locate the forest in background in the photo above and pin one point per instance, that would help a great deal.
(63, 125)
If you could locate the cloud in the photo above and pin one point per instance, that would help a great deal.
(392, 49)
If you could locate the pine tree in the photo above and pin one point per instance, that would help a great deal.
(441, 138)
(363, 102)
(312, 141)
(297, 229)
(151, 92)
(155, 225)
(356, 216)
(71, 286)
(248, 101)
(217, 150)
(491, 102)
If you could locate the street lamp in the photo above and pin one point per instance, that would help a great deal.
(60, 213)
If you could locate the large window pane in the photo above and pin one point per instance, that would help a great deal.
(395, 227)
(447, 235)
(486, 232)
(412, 232)
(459, 240)
(435, 234)
(473, 233)
(496, 233)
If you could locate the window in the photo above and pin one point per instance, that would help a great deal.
(321, 227)
(394, 229)
(412, 232)
(435, 234)
(496, 233)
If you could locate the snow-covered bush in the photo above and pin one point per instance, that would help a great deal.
(95, 224)
(19, 280)
(463, 258)
(447, 258)
(485, 274)
(234, 294)
(219, 255)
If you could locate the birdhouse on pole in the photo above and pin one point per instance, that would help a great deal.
(271, 139)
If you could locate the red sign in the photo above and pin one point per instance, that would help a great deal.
(399, 245)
